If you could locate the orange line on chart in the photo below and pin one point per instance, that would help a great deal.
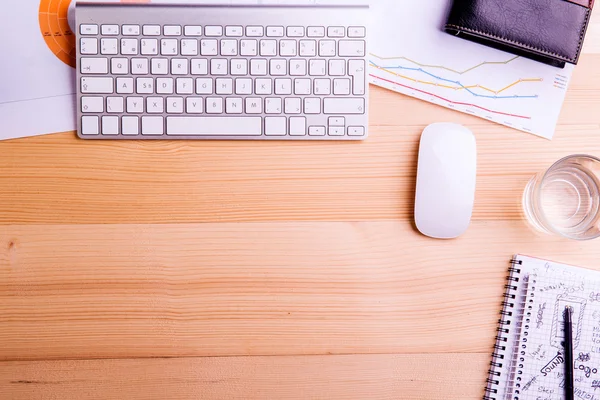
(446, 68)
(459, 87)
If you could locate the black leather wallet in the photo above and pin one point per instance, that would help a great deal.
(550, 31)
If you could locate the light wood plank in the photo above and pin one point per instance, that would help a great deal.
(256, 289)
(374, 377)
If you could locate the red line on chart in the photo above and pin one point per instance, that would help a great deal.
(450, 101)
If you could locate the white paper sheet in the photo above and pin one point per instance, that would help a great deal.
(411, 54)
(36, 87)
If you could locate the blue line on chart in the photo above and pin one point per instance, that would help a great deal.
(456, 83)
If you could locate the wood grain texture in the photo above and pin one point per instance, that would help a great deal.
(268, 270)
(118, 291)
(61, 179)
(374, 377)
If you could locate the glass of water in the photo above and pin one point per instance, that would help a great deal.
(565, 200)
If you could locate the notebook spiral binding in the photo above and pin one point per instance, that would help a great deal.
(504, 325)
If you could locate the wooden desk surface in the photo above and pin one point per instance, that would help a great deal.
(237, 270)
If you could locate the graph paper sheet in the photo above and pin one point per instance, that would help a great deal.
(411, 54)
(537, 361)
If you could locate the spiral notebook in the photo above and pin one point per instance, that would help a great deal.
(528, 359)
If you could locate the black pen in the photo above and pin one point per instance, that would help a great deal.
(569, 379)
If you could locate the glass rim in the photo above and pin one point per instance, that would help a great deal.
(538, 199)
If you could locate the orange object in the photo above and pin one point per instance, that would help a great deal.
(54, 25)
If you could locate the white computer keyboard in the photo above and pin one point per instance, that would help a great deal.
(222, 72)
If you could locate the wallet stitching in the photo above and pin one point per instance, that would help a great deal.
(581, 37)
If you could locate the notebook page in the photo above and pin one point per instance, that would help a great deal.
(552, 287)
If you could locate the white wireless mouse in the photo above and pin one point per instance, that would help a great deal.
(446, 181)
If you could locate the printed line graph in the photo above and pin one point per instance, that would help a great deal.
(459, 86)
(448, 100)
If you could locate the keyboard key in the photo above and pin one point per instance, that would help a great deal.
(357, 32)
(172, 30)
(91, 65)
(356, 69)
(273, 105)
(327, 48)
(129, 47)
(169, 47)
(302, 86)
(214, 126)
(293, 105)
(337, 67)
(268, 48)
(278, 67)
(275, 31)
(152, 126)
(209, 47)
(179, 66)
(160, 66)
(341, 87)
(295, 31)
(204, 86)
(214, 105)
(336, 31)
(130, 125)
(189, 47)
(174, 105)
(253, 105)
(193, 30)
(248, 47)
(297, 67)
(234, 105)
(86, 29)
(194, 105)
(258, 67)
(144, 86)
(322, 87)
(255, 31)
(297, 126)
(92, 104)
(124, 85)
(316, 32)
(115, 105)
(336, 131)
(119, 66)
(239, 66)
(356, 131)
(234, 31)
(218, 66)
(109, 46)
(131, 30)
(96, 85)
(224, 86)
(275, 126)
(155, 105)
(243, 86)
(151, 30)
(135, 105)
(213, 31)
(283, 86)
(343, 105)
(149, 47)
(199, 66)
(164, 86)
(337, 121)
(139, 66)
(88, 45)
(185, 86)
(316, 131)
(90, 125)
(308, 48)
(229, 47)
(110, 125)
(264, 86)
(110, 30)
(317, 68)
(288, 48)
(352, 48)
(312, 105)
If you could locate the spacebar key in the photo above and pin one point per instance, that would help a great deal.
(214, 126)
